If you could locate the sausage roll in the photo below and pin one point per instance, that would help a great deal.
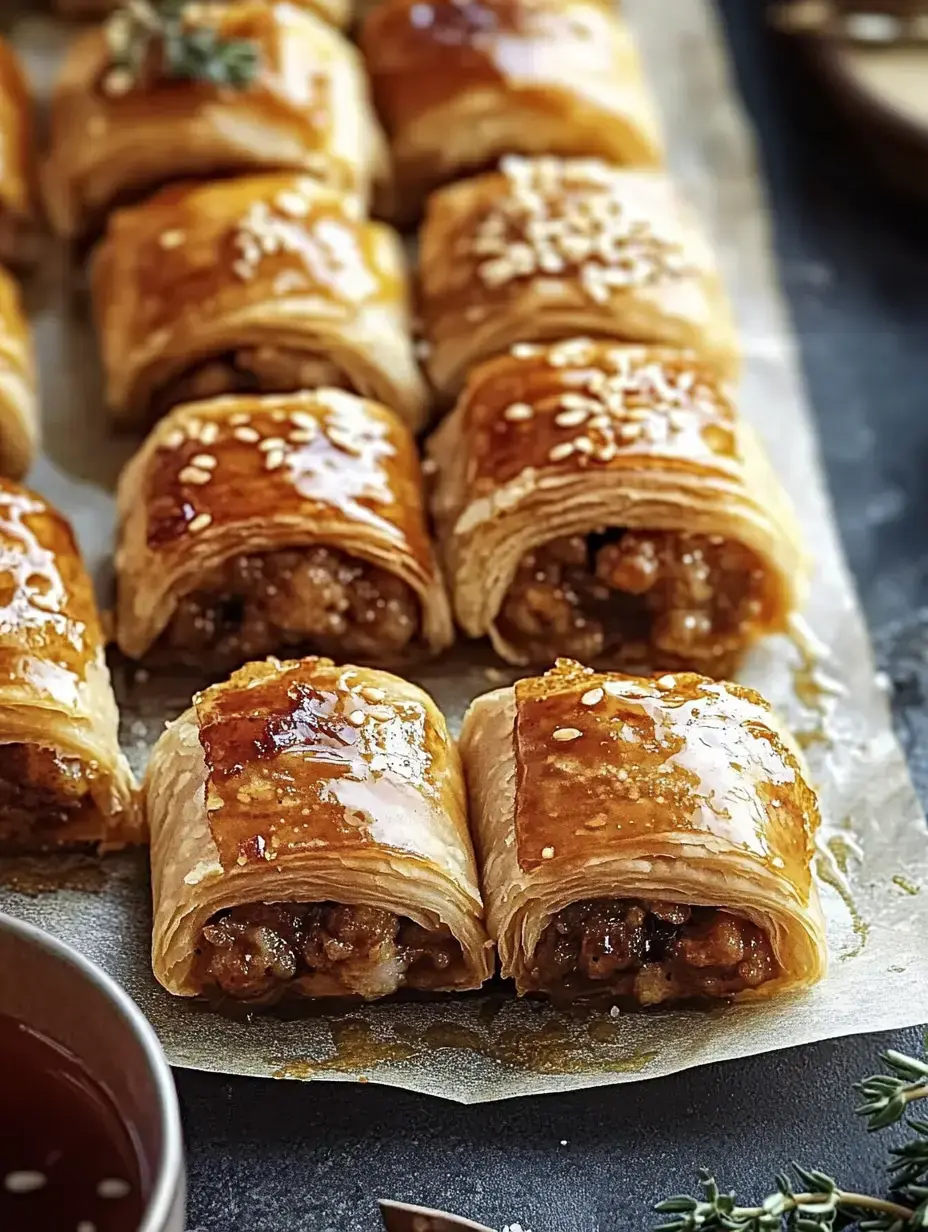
(255, 525)
(117, 135)
(266, 284)
(606, 502)
(19, 418)
(18, 228)
(460, 85)
(549, 248)
(309, 839)
(336, 12)
(649, 841)
(63, 781)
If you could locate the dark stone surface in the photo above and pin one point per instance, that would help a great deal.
(283, 1157)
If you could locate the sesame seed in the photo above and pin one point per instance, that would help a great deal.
(356, 718)
(200, 522)
(171, 239)
(622, 775)
(275, 459)
(547, 853)
(192, 474)
(557, 453)
(381, 713)
(595, 823)
(24, 1181)
(303, 419)
(243, 270)
(205, 461)
(370, 694)
(517, 412)
(272, 443)
(592, 697)
(174, 439)
(239, 418)
(666, 682)
(584, 445)
(209, 433)
(300, 436)
(113, 1187)
(563, 734)
(292, 203)
(571, 419)
(248, 435)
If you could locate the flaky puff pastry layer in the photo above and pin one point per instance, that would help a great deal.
(115, 141)
(336, 12)
(460, 85)
(583, 436)
(682, 790)
(243, 476)
(368, 808)
(18, 206)
(55, 689)
(19, 412)
(550, 248)
(275, 277)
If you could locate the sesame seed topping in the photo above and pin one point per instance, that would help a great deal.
(270, 443)
(592, 697)
(171, 239)
(381, 713)
(24, 1181)
(370, 694)
(192, 474)
(356, 718)
(292, 203)
(303, 419)
(518, 412)
(547, 853)
(205, 461)
(557, 453)
(622, 775)
(209, 433)
(274, 459)
(666, 682)
(113, 1187)
(174, 439)
(595, 823)
(239, 418)
(564, 734)
(571, 419)
(300, 436)
(200, 522)
(249, 435)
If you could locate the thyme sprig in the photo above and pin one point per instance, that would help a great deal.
(143, 30)
(815, 1200)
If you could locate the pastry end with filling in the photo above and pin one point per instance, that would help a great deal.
(265, 952)
(647, 953)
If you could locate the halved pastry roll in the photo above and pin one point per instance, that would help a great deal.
(17, 166)
(19, 415)
(551, 248)
(460, 85)
(606, 502)
(309, 838)
(255, 525)
(336, 12)
(63, 781)
(648, 841)
(266, 284)
(296, 99)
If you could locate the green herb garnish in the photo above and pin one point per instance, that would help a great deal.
(805, 1200)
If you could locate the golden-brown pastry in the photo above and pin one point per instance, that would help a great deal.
(648, 841)
(606, 502)
(337, 12)
(309, 839)
(19, 417)
(251, 525)
(266, 284)
(63, 780)
(116, 137)
(550, 248)
(460, 85)
(18, 229)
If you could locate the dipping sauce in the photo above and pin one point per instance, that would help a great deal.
(68, 1161)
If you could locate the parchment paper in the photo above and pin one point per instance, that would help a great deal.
(873, 862)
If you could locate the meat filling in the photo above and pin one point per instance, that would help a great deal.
(648, 598)
(314, 598)
(650, 952)
(252, 370)
(43, 798)
(263, 951)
